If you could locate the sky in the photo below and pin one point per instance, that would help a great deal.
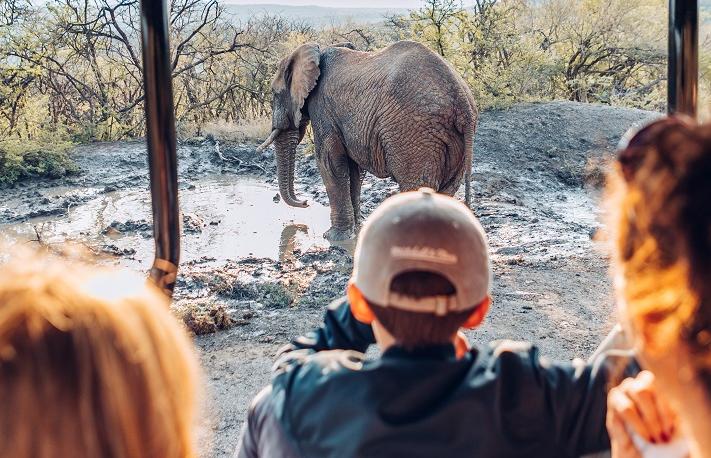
(336, 3)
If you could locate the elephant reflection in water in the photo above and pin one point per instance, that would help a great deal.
(289, 235)
(287, 242)
(402, 112)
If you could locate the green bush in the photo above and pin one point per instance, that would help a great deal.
(27, 159)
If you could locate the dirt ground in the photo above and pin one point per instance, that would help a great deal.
(255, 274)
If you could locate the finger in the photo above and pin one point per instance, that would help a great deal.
(622, 445)
(665, 414)
(641, 392)
(669, 418)
(619, 402)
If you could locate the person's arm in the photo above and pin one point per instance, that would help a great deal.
(578, 394)
(248, 445)
(340, 331)
(262, 435)
(561, 407)
(581, 404)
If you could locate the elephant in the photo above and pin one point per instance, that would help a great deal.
(402, 112)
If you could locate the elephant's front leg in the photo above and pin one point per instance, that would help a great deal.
(335, 171)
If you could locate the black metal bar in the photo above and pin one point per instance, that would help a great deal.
(683, 75)
(160, 135)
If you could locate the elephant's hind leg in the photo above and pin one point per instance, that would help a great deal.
(451, 187)
(431, 169)
(416, 179)
(418, 165)
(357, 174)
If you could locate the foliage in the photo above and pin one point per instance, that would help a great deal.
(607, 51)
(25, 159)
(73, 67)
(85, 62)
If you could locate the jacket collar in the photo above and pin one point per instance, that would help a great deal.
(441, 352)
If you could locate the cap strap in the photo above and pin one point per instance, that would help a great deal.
(439, 305)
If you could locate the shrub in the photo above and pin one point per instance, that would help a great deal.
(28, 159)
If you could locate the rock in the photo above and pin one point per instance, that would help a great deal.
(276, 198)
(192, 223)
(110, 230)
(510, 251)
(116, 228)
(194, 141)
(116, 251)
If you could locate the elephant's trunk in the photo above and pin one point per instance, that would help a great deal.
(286, 144)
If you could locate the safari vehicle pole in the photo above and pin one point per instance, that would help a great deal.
(682, 84)
(160, 135)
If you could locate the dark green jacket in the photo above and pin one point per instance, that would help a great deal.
(504, 400)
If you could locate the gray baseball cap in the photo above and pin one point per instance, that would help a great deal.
(423, 231)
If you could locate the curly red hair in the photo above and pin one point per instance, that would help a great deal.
(659, 199)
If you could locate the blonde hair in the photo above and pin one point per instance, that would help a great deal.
(92, 364)
(660, 204)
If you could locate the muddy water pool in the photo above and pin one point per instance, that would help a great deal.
(224, 217)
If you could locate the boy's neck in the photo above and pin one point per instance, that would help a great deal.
(385, 340)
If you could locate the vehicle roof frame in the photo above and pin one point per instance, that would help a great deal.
(682, 97)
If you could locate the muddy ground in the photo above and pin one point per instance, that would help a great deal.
(256, 273)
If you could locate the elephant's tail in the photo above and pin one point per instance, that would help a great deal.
(468, 162)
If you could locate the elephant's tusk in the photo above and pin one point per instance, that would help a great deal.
(275, 133)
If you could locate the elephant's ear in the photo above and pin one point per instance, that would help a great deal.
(299, 73)
(305, 76)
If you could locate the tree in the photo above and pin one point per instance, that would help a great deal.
(607, 49)
(435, 22)
(88, 62)
(73, 67)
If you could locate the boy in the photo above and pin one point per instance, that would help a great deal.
(421, 272)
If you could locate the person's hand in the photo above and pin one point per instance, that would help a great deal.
(636, 406)
(461, 344)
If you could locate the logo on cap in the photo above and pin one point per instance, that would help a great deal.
(427, 254)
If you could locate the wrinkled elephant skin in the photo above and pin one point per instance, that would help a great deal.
(402, 112)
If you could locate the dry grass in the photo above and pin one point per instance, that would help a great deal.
(256, 130)
(309, 141)
(206, 317)
(596, 170)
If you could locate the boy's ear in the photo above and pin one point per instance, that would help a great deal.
(478, 314)
(359, 306)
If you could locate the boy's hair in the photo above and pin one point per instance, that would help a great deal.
(92, 363)
(416, 329)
